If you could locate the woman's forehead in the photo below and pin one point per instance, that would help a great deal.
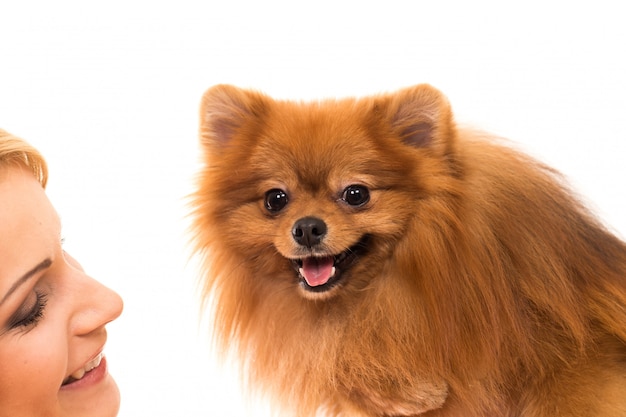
(29, 225)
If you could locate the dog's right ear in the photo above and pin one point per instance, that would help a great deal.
(227, 110)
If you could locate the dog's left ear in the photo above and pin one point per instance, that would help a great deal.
(226, 111)
(421, 116)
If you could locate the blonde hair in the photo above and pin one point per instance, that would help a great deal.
(14, 150)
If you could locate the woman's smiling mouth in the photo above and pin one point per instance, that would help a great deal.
(95, 364)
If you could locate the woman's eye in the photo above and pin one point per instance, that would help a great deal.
(28, 316)
(275, 200)
(356, 195)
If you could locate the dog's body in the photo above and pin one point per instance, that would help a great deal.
(369, 258)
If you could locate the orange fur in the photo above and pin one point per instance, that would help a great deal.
(486, 288)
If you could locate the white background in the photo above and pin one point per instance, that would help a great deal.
(109, 92)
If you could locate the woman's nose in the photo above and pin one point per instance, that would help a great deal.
(96, 306)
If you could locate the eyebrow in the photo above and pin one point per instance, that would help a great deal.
(40, 267)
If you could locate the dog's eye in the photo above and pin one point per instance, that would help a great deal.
(356, 195)
(275, 200)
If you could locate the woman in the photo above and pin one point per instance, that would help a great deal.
(52, 315)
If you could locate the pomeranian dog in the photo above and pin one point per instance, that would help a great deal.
(368, 257)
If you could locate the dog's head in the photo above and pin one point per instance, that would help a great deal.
(319, 194)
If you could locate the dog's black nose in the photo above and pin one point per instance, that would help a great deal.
(309, 231)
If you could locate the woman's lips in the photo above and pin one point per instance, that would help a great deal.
(92, 372)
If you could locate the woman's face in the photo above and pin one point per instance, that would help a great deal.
(52, 315)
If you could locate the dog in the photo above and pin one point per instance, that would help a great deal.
(370, 257)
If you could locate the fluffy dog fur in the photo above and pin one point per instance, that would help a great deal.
(472, 282)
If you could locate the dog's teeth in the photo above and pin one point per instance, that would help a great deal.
(332, 271)
(301, 271)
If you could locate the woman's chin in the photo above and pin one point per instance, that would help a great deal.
(99, 397)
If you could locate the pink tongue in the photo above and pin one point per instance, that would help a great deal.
(317, 271)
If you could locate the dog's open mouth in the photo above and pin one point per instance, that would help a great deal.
(321, 273)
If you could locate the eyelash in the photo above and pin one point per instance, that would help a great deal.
(35, 315)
